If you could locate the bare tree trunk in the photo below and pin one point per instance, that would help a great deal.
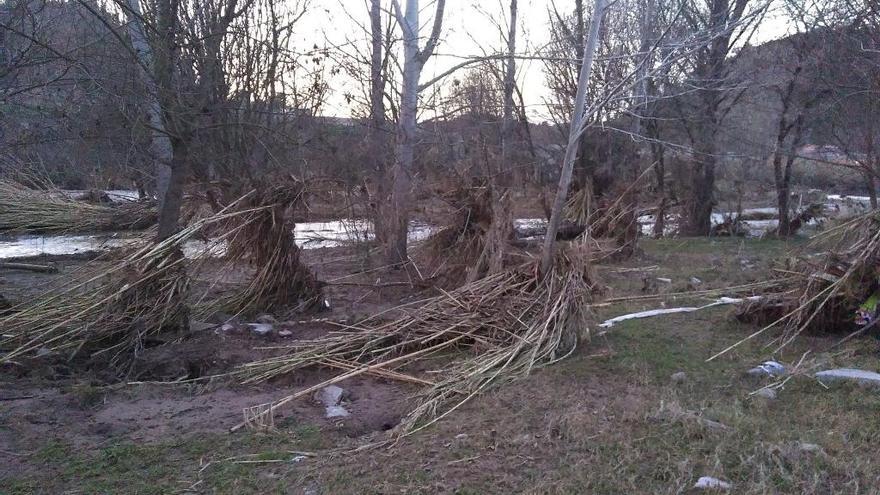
(396, 249)
(378, 127)
(575, 131)
(509, 83)
(160, 142)
(401, 175)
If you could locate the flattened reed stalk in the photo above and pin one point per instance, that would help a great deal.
(472, 243)
(110, 308)
(501, 327)
(265, 239)
(24, 210)
(822, 292)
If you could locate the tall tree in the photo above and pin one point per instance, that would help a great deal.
(724, 24)
(414, 59)
(576, 130)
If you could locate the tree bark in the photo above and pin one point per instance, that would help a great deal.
(378, 128)
(509, 83)
(160, 142)
(575, 131)
(401, 174)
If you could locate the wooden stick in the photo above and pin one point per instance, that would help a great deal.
(29, 267)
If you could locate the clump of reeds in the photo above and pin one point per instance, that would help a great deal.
(264, 240)
(108, 310)
(821, 292)
(494, 329)
(472, 241)
(113, 306)
(24, 210)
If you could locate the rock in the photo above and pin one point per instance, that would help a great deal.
(766, 393)
(678, 377)
(330, 396)
(227, 327)
(767, 368)
(267, 319)
(861, 377)
(710, 483)
(331, 412)
(285, 333)
(260, 328)
(461, 436)
(695, 281)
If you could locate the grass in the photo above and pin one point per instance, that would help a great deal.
(607, 420)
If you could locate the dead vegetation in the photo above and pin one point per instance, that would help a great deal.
(263, 239)
(473, 238)
(821, 292)
(26, 211)
(490, 331)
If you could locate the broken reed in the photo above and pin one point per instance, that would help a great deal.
(264, 239)
(501, 327)
(24, 210)
(822, 291)
(113, 306)
(472, 243)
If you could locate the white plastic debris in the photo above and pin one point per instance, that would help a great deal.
(331, 396)
(768, 368)
(710, 483)
(657, 312)
(847, 374)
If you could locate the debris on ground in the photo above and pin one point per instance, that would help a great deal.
(710, 483)
(260, 328)
(768, 368)
(678, 377)
(331, 397)
(861, 377)
(666, 311)
(766, 393)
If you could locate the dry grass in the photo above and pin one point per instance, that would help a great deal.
(24, 210)
(111, 306)
(474, 238)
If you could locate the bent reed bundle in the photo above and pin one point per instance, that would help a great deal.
(31, 211)
(491, 330)
(821, 292)
(473, 240)
(113, 306)
(264, 239)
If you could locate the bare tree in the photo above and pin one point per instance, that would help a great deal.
(576, 129)
(725, 24)
(414, 59)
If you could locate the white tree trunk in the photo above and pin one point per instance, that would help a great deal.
(574, 135)
(160, 142)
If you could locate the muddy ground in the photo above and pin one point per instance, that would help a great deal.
(610, 419)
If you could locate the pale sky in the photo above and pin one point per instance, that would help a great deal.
(468, 30)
